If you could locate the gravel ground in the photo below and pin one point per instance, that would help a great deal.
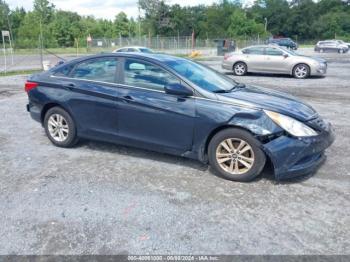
(101, 198)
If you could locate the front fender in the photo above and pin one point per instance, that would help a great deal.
(258, 123)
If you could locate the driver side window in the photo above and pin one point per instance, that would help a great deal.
(274, 51)
(146, 75)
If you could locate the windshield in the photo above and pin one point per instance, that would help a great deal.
(289, 51)
(202, 76)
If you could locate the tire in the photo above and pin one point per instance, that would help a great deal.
(233, 168)
(321, 50)
(240, 69)
(301, 71)
(341, 51)
(66, 134)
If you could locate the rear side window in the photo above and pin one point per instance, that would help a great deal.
(142, 74)
(146, 50)
(254, 51)
(99, 69)
(64, 70)
(122, 50)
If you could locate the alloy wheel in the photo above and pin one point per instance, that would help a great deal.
(58, 127)
(239, 69)
(235, 156)
(301, 71)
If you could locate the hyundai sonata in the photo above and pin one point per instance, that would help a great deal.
(177, 106)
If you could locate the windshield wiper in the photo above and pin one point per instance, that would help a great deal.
(221, 91)
(238, 85)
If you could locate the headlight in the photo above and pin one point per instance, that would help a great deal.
(292, 126)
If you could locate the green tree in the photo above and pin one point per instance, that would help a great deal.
(16, 19)
(242, 26)
(65, 28)
(28, 32)
(275, 12)
(4, 13)
(121, 25)
(44, 10)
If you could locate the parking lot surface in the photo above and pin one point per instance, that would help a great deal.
(100, 198)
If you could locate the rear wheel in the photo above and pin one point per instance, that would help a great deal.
(321, 50)
(240, 69)
(341, 51)
(236, 155)
(60, 127)
(301, 71)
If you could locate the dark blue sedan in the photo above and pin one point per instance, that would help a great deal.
(177, 106)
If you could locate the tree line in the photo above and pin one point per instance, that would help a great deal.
(298, 19)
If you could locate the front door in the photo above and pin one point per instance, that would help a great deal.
(275, 62)
(149, 117)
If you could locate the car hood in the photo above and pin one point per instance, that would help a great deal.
(258, 97)
(314, 58)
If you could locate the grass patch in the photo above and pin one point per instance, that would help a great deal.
(306, 46)
(19, 72)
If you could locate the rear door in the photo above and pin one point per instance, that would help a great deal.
(94, 93)
(149, 117)
(254, 57)
(330, 46)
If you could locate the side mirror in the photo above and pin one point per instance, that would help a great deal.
(178, 90)
(285, 55)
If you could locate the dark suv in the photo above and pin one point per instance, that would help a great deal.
(286, 42)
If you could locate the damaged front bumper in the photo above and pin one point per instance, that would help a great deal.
(292, 157)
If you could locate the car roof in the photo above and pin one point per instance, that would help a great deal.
(282, 38)
(137, 47)
(145, 56)
(263, 46)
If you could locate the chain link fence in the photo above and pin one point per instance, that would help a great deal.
(36, 58)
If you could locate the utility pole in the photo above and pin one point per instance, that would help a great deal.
(41, 45)
(139, 22)
(265, 24)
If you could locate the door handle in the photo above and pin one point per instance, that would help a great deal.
(69, 85)
(127, 98)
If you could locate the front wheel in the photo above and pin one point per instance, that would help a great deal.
(240, 69)
(301, 71)
(341, 51)
(60, 127)
(236, 155)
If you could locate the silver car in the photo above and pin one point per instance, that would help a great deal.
(273, 59)
(331, 46)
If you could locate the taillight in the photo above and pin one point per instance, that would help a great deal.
(29, 86)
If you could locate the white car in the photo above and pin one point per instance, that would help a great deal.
(139, 49)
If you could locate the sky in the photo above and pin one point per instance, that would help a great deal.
(105, 8)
